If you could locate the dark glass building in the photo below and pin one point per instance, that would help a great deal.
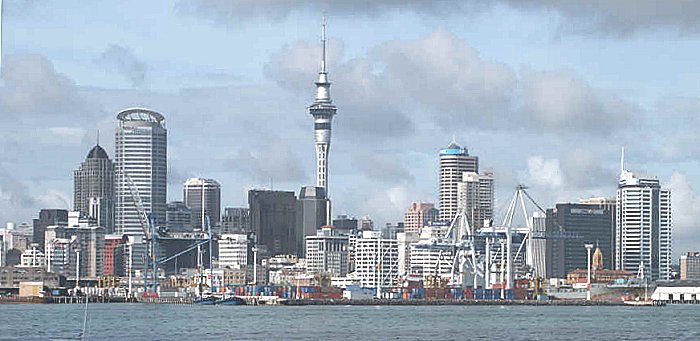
(312, 212)
(273, 219)
(47, 217)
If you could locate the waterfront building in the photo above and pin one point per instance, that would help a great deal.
(322, 110)
(454, 161)
(93, 187)
(236, 220)
(178, 217)
(418, 215)
(273, 219)
(599, 274)
(203, 197)
(643, 226)
(11, 277)
(32, 258)
(430, 262)
(89, 240)
(234, 249)
(141, 174)
(475, 197)
(47, 217)
(312, 213)
(376, 260)
(327, 253)
(586, 224)
(112, 242)
(690, 266)
(405, 241)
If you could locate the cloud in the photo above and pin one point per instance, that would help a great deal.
(274, 162)
(382, 167)
(122, 60)
(685, 205)
(33, 91)
(621, 18)
(544, 173)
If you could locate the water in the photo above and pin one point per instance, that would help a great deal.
(197, 323)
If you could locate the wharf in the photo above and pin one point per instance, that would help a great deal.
(415, 302)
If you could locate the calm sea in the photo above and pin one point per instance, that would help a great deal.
(197, 323)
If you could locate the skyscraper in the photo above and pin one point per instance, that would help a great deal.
(475, 198)
(203, 197)
(418, 215)
(141, 173)
(273, 219)
(323, 111)
(47, 217)
(93, 187)
(178, 217)
(235, 220)
(312, 212)
(643, 226)
(454, 160)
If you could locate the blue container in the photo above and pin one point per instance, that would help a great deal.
(509, 294)
(479, 294)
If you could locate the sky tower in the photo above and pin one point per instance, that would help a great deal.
(323, 111)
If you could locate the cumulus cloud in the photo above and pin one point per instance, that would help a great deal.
(619, 18)
(545, 173)
(120, 59)
(275, 162)
(381, 167)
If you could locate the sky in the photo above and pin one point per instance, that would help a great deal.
(545, 92)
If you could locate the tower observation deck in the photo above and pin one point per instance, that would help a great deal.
(323, 111)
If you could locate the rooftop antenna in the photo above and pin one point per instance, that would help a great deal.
(323, 40)
(98, 131)
(622, 160)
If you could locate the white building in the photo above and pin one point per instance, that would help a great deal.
(405, 241)
(32, 258)
(376, 260)
(327, 253)
(643, 226)
(426, 259)
(537, 247)
(233, 250)
(454, 161)
(475, 198)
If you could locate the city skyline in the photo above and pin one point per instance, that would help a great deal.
(378, 144)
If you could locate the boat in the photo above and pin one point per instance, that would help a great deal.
(645, 303)
(230, 300)
(205, 300)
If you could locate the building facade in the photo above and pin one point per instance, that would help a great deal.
(454, 161)
(475, 196)
(418, 215)
(233, 250)
(235, 220)
(178, 217)
(93, 187)
(47, 217)
(273, 219)
(643, 226)
(577, 225)
(690, 266)
(312, 213)
(203, 197)
(376, 260)
(327, 253)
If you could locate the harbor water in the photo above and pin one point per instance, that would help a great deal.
(194, 322)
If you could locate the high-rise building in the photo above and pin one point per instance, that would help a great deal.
(112, 242)
(93, 184)
(418, 215)
(327, 253)
(644, 224)
(475, 198)
(405, 242)
(47, 217)
(273, 219)
(203, 196)
(312, 213)
(141, 174)
(323, 110)
(81, 245)
(454, 161)
(235, 220)
(690, 266)
(589, 223)
(376, 260)
(428, 261)
(344, 224)
(178, 217)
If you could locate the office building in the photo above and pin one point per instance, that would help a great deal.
(454, 161)
(576, 225)
(112, 242)
(46, 218)
(234, 249)
(327, 253)
(323, 110)
(690, 266)
(235, 220)
(428, 261)
(312, 213)
(89, 240)
(344, 224)
(418, 215)
(475, 198)
(365, 224)
(405, 241)
(273, 219)
(643, 226)
(93, 187)
(178, 217)
(141, 169)
(203, 197)
(376, 260)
